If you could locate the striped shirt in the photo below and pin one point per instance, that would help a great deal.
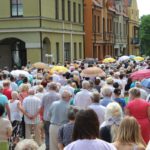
(32, 104)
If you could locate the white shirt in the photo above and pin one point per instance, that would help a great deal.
(32, 104)
(100, 111)
(83, 99)
(96, 144)
(15, 113)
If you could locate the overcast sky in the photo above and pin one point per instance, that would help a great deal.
(144, 7)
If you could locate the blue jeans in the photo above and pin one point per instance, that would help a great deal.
(46, 129)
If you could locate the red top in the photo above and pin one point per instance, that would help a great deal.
(138, 108)
(7, 92)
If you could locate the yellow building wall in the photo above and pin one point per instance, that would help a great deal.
(5, 8)
(34, 55)
(31, 8)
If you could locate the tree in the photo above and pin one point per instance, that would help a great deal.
(145, 34)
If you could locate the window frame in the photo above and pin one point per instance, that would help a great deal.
(17, 10)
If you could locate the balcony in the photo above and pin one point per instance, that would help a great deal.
(135, 41)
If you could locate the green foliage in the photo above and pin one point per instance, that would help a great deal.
(145, 34)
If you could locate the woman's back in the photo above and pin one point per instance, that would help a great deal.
(132, 146)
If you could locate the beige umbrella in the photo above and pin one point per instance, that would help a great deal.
(40, 65)
(92, 72)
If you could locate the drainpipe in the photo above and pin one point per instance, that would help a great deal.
(40, 15)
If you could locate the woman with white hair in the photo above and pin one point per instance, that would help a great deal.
(27, 144)
(113, 117)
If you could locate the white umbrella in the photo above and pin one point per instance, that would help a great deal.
(123, 58)
(16, 73)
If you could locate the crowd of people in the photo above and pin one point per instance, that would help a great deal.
(67, 111)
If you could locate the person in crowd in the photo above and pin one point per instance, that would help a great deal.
(4, 102)
(68, 87)
(129, 135)
(106, 93)
(140, 109)
(113, 118)
(128, 85)
(99, 109)
(126, 96)
(5, 129)
(109, 83)
(83, 98)
(27, 144)
(143, 92)
(148, 145)
(86, 133)
(13, 84)
(97, 84)
(32, 105)
(66, 130)
(48, 98)
(58, 117)
(6, 89)
(118, 98)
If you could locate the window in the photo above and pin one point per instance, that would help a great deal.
(57, 52)
(69, 10)
(74, 12)
(79, 12)
(94, 24)
(16, 8)
(63, 9)
(67, 52)
(75, 51)
(57, 9)
(80, 50)
(98, 24)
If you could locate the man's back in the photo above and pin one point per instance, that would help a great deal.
(47, 100)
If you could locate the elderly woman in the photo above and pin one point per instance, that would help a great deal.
(140, 109)
(106, 93)
(129, 135)
(86, 133)
(113, 117)
(27, 144)
(5, 129)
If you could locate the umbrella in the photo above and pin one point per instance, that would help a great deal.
(109, 60)
(16, 73)
(123, 58)
(132, 56)
(146, 83)
(59, 69)
(141, 74)
(138, 58)
(40, 65)
(92, 72)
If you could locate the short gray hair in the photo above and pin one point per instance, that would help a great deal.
(106, 91)
(27, 144)
(52, 86)
(85, 84)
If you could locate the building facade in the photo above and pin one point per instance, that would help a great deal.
(121, 27)
(29, 30)
(133, 38)
(98, 25)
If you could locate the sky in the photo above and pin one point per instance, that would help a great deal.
(144, 7)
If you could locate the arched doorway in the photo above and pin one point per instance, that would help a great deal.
(12, 52)
(46, 50)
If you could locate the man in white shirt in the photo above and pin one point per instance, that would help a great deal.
(32, 105)
(99, 109)
(83, 98)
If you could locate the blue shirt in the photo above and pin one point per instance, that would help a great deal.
(3, 100)
(105, 101)
(121, 101)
